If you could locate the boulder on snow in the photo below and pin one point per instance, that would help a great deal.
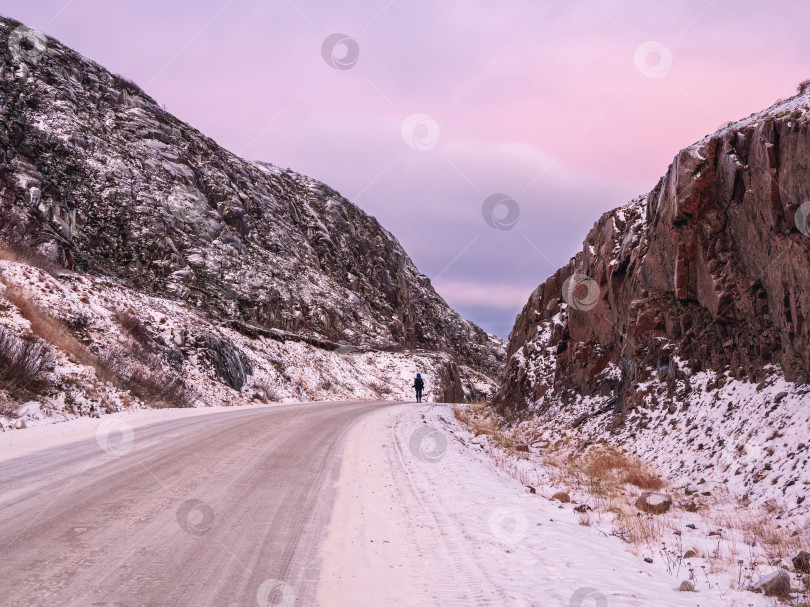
(654, 503)
(801, 562)
(19, 424)
(776, 583)
(687, 586)
(690, 554)
(561, 496)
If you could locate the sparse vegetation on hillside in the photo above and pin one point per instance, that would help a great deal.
(24, 364)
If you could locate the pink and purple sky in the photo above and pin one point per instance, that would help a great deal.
(554, 104)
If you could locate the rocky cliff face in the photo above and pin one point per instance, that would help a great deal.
(710, 271)
(96, 176)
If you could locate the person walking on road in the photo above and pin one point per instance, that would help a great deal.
(418, 385)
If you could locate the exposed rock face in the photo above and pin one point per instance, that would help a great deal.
(95, 175)
(709, 271)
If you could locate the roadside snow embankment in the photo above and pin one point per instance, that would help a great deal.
(424, 516)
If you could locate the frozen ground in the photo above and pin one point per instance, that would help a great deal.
(424, 516)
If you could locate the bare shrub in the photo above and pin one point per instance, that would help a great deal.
(129, 85)
(149, 382)
(135, 327)
(160, 388)
(803, 86)
(23, 364)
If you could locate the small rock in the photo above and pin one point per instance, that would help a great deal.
(801, 562)
(775, 584)
(689, 554)
(711, 533)
(19, 424)
(687, 586)
(561, 496)
(691, 526)
(531, 489)
(522, 447)
(654, 503)
(690, 506)
(648, 559)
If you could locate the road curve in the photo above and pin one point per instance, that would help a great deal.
(203, 511)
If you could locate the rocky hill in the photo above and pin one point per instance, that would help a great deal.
(98, 180)
(681, 329)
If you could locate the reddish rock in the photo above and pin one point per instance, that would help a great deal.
(709, 267)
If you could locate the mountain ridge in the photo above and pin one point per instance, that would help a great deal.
(98, 177)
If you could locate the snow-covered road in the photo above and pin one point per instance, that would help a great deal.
(330, 504)
(423, 519)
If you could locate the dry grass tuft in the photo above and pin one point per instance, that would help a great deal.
(148, 381)
(475, 417)
(47, 327)
(607, 466)
(19, 252)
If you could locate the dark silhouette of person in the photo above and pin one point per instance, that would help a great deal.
(418, 385)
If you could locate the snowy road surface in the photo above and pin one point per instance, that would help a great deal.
(194, 512)
(335, 504)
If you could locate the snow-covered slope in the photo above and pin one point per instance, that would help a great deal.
(680, 330)
(211, 261)
(133, 350)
